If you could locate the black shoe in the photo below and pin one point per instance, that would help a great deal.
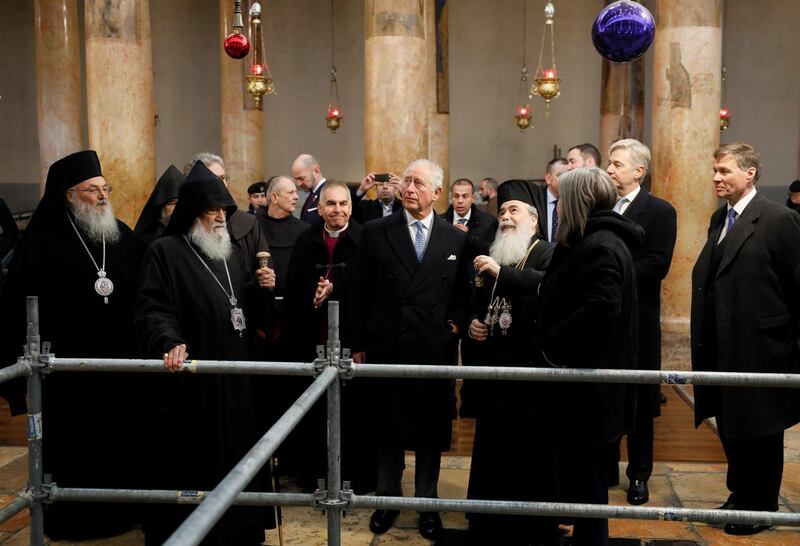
(742, 529)
(382, 520)
(728, 505)
(430, 525)
(638, 492)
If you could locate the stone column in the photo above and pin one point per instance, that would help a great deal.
(119, 90)
(686, 98)
(58, 81)
(242, 124)
(621, 103)
(397, 85)
(439, 105)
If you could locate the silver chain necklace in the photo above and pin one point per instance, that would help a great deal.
(237, 315)
(103, 285)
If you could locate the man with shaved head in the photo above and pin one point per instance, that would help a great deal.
(308, 176)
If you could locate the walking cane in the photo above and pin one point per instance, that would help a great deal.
(278, 509)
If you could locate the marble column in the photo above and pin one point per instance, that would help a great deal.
(58, 81)
(439, 104)
(397, 85)
(120, 102)
(242, 123)
(685, 121)
(621, 103)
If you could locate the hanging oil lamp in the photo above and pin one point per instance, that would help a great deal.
(547, 84)
(236, 44)
(259, 79)
(333, 116)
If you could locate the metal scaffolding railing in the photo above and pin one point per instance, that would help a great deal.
(333, 366)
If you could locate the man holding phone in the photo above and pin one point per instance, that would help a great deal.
(387, 185)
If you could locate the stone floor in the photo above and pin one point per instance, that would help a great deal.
(691, 485)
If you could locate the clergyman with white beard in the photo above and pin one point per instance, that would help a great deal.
(504, 312)
(82, 264)
(196, 302)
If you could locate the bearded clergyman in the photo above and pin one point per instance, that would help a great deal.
(82, 264)
(507, 282)
(197, 301)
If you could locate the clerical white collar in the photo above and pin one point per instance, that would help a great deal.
(335, 234)
(321, 182)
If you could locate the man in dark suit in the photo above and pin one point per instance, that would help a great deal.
(546, 198)
(308, 176)
(412, 297)
(583, 155)
(627, 165)
(745, 318)
(386, 203)
(480, 227)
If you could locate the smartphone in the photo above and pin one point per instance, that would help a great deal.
(382, 177)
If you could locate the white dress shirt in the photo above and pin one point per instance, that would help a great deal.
(621, 208)
(739, 208)
(412, 228)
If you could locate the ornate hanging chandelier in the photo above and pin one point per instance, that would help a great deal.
(546, 81)
(333, 116)
(259, 79)
(523, 113)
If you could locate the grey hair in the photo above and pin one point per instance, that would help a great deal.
(582, 191)
(278, 182)
(206, 158)
(436, 171)
(640, 154)
(330, 184)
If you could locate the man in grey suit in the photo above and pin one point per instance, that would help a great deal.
(412, 297)
(746, 318)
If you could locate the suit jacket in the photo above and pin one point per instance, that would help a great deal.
(482, 230)
(540, 204)
(309, 212)
(745, 317)
(365, 210)
(652, 261)
(402, 311)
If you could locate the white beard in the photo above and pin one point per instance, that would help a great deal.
(97, 221)
(509, 247)
(215, 244)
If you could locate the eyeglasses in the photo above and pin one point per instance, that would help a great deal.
(94, 190)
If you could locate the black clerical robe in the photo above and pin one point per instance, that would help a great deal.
(90, 419)
(206, 422)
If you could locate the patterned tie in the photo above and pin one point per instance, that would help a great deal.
(555, 221)
(419, 240)
(731, 219)
(462, 221)
(307, 205)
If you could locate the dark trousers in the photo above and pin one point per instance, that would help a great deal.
(755, 469)
(640, 452)
(583, 475)
(391, 463)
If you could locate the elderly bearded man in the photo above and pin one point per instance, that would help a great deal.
(195, 299)
(82, 264)
(503, 322)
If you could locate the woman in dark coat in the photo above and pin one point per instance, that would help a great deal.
(587, 319)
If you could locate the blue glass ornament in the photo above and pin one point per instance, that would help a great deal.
(623, 31)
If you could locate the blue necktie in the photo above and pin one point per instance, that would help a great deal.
(555, 221)
(419, 240)
(462, 221)
(731, 219)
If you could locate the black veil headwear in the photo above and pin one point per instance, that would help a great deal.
(64, 174)
(166, 189)
(201, 190)
(520, 190)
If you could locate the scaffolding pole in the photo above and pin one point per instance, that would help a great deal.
(234, 367)
(577, 375)
(172, 496)
(203, 518)
(35, 454)
(333, 502)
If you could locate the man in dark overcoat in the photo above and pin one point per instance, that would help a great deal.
(411, 298)
(627, 165)
(745, 318)
(386, 202)
(479, 226)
